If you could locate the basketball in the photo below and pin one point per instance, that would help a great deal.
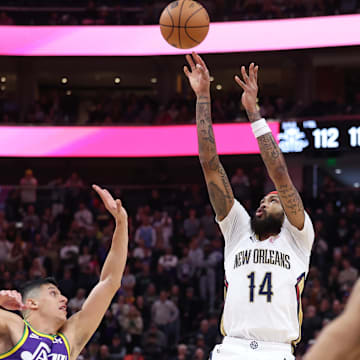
(184, 24)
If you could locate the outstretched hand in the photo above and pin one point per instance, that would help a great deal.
(113, 206)
(11, 300)
(199, 77)
(250, 86)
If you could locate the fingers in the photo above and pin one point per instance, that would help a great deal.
(199, 60)
(186, 71)
(118, 205)
(244, 74)
(256, 70)
(240, 82)
(190, 62)
(251, 72)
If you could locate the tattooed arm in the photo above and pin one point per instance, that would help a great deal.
(271, 153)
(220, 192)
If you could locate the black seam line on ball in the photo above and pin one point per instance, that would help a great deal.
(194, 13)
(187, 27)
(182, 5)
(186, 32)
(172, 20)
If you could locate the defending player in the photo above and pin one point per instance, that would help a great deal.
(340, 339)
(45, 332)
(266, 257)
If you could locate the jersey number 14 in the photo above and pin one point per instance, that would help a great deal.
(265, 287)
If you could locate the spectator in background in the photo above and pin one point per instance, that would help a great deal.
(146, 232)
(207, 222)
(311, 323)
(347, 276)
(117, 349)
(182, 353)
(154, 342)
(77, 302)
(5, 247)
(28, 185)
(84, 217)
(165, 315)
(132, 323)
(136, 354)
(241, 185)
(191, 224)
(169, 261)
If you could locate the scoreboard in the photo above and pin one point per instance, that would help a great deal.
(319, 137)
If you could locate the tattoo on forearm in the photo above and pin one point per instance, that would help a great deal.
(291, 199)
(218, 199)
(269, 149)
(221, 195)
(253, 116)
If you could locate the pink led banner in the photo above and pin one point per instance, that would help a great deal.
(147, 141)
(266, 35)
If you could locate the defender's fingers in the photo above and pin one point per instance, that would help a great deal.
(240, 82)
(190, 62)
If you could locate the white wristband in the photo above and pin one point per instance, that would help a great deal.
(260, 127)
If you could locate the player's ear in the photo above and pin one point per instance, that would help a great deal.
(32, 304)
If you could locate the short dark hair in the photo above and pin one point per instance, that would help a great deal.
(34, 284)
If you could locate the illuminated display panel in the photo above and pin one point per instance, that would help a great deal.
(145, 141)
(243, 36)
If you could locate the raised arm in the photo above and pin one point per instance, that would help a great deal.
(82, 325)
(270, 151)
(11, 325)
(220, 192)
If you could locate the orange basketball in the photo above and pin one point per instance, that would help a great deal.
(184, 23)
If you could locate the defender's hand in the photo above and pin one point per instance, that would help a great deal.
(11, 300)
(113, 206)
(199, 77)
(250, 87)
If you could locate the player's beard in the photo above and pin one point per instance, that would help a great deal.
(270, 224)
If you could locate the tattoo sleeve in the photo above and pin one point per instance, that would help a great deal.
(220, 192)
(277, 169)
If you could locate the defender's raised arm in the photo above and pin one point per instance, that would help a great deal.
(220, 192)
(82, 325)
(270, 151)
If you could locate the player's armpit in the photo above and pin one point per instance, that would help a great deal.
(82, 325)
(290, 201)
(219, 188)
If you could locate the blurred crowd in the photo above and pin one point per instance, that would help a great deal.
(57, 108)
(171, 298)
(127, 12)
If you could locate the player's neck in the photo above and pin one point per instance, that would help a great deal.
(44, 326)
(263, 237)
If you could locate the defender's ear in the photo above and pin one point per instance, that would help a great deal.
(31, 304)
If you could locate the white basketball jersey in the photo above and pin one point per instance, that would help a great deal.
(264, 279)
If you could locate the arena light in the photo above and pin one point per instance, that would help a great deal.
(3, 79)
(123, 141)
(219, 87)
(68, 92)
(224, 37)
(64, 80)
(154, 80)
(212, 78)
(117, 80)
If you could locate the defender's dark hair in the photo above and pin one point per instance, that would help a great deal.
(34, 284)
